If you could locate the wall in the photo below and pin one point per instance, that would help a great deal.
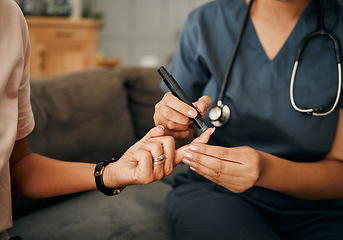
(137, 29)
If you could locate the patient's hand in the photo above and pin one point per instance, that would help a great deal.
(136, 165)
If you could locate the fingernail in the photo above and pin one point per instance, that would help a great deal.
(186, 161)
(188, 155)
(192, 113)
(193, 147)
(160, 126)
(213, 129)
(193, 169)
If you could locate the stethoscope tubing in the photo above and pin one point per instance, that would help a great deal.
(319, 32)
(312, 111)
(225, 111)
(233, 55)
(224, 116)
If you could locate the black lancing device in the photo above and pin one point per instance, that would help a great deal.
(175, 88)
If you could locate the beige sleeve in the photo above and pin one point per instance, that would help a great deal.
(25, 115)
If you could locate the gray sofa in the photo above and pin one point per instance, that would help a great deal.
(88, 116)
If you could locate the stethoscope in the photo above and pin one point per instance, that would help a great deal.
(220, 114)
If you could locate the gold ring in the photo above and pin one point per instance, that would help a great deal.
(159, 160)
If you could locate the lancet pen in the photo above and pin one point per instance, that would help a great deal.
(175, 88)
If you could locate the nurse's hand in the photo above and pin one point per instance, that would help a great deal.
(174, 115)
(137, 166)
(236, 169)
(203, 138)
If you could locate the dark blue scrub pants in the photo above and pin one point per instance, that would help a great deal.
(204, 210)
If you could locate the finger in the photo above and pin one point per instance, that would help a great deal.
(170, 118)
(203, 104)
(232, 183)
(144, 175)
(224, 153)
(177, 130)
(179, 155)
(154, 132)
(168, 144)
(181, 107)
(219, 166)
(180, 134)
(157, 157)
(205, 136)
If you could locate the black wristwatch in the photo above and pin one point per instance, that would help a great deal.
(99, 168)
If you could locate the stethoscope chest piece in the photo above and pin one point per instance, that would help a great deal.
(219, 114)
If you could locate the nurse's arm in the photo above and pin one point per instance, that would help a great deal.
(240, 168)
(317, 180)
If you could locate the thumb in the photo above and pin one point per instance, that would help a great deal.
(203, 104)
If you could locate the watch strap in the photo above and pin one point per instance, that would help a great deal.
(99, 181)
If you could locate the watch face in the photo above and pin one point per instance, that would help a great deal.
(215, 113)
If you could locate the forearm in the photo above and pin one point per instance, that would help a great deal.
(38, 176)
(315, 180)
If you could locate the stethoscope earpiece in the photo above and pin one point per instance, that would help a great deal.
(219, 114)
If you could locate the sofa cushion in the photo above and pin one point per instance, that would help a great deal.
(81, 116)
(137, 213)
(143, 89)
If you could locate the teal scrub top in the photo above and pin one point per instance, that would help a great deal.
(257, 93)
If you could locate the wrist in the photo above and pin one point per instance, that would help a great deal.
(103, 178)
(267, 170)
(107, 175)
